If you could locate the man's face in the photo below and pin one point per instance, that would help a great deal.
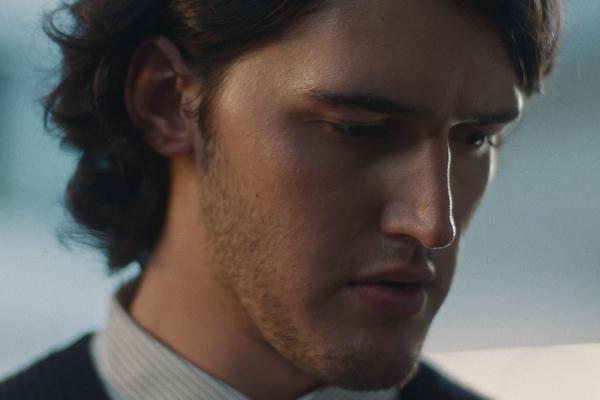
(348, 152)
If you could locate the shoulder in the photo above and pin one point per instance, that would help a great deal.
(66, 374)
(428, 383)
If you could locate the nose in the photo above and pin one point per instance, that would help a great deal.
(419, 197)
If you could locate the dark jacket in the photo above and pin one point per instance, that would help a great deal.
(69, 374)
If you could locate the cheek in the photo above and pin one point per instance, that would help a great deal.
(299, 188)
(298, 175)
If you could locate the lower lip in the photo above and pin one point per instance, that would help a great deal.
(406, 301)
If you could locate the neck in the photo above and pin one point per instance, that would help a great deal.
(179, 302)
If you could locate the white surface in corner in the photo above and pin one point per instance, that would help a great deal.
(529, 373)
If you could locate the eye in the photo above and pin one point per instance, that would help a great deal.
(361, 131)
(477, 140)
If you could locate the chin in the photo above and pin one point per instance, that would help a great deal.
(373, 373)
(363, 368)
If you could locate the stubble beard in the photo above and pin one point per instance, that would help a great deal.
(248, 247)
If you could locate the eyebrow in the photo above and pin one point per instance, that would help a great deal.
(381, 105)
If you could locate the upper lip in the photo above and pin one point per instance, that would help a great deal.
(401, 274)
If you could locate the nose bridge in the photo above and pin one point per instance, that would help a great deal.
(421, 202)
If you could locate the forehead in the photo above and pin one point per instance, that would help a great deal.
(429, 53)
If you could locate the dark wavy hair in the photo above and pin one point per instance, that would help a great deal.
(119, 191)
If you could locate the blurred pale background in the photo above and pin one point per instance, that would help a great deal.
(528, 282)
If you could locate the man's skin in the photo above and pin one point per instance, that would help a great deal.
(278, 223)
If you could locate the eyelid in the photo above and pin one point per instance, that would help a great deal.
(378, 130)
(492, 138)
(346, 122)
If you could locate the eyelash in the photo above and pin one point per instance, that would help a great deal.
(372, 131)
(474, 139)
(479, 139)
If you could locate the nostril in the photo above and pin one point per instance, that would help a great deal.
(430, 229)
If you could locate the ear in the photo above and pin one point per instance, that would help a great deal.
(157, 91)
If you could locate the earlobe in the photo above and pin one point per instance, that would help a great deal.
(158, 82)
